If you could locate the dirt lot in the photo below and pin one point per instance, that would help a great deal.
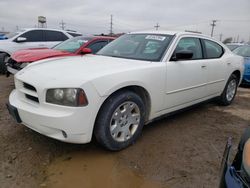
(183, 150)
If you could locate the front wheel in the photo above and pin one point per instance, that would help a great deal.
(120, 120)
(230, 90)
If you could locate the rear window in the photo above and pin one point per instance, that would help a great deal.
(212, 49)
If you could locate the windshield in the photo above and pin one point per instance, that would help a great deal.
(13, 34)
(148, 47)
(73, 44)
(243, 51)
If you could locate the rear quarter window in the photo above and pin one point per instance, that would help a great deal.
(212, 49)
(55, 36)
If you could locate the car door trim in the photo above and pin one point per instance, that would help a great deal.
(187, 88)
(193, 87)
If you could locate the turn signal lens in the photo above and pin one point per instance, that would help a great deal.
(82, 99)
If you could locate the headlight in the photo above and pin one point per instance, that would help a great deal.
(67, 97)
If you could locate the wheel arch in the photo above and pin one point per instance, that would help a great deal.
(237, 73)
(1, 52)
(139, 90)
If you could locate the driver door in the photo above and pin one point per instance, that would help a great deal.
(186, 78)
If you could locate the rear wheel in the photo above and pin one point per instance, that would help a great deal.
(120, 120)
(3, 60)
(230, 90)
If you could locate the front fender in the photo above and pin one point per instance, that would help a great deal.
(152, 80)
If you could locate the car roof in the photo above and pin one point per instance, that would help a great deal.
(235, 43)
(103, 37)
(170, 32)
(50, 29)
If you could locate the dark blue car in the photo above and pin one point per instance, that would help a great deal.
(245, 52)
(236, 174)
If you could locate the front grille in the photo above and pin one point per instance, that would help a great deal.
(29, 87)
(35, 99)
(12, 63)
(28, 91)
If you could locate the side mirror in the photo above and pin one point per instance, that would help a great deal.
(182, 55)
(21, 39)
(86, 51)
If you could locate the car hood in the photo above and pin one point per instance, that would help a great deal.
(31, 55)
(76, 70)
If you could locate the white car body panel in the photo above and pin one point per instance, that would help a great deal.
(170, 85)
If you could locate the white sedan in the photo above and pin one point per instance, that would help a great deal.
(135, 79)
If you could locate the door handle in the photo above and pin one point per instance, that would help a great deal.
(228, 63)
(203, 66)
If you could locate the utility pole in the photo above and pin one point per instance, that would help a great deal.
(157, 26)
(62, 24)
(111, 25)
(221, 35)
(238, 38)
(213, 25)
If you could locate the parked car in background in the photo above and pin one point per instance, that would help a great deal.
(244, 51)
(71, 47)
(133, 80)
(233, 46)
(30, 38)
(236, 174)
(2, 37)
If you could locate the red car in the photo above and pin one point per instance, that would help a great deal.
(72, 47)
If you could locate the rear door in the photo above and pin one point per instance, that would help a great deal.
(216, 67)
(53, 38)
(185, 79)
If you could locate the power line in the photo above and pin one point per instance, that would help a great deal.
(213, 25)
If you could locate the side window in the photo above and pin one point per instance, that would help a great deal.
(190, 44)
(212, 49)
(33, 36)
(55, 36)
(95, 47)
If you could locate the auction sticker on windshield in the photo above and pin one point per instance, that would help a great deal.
(155, 37)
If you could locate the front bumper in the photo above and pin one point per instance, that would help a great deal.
(12, 70)
(67, 124)
(13, 67)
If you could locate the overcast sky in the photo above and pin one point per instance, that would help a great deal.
(93, 16)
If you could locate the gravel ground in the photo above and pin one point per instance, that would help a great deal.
(183, 150)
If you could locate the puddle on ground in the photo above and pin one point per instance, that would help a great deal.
(94, 169)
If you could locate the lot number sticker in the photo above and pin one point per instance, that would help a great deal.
(155, 37)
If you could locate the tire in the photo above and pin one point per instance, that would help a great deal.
(3, 60)
(120, 121)
(230, 91)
